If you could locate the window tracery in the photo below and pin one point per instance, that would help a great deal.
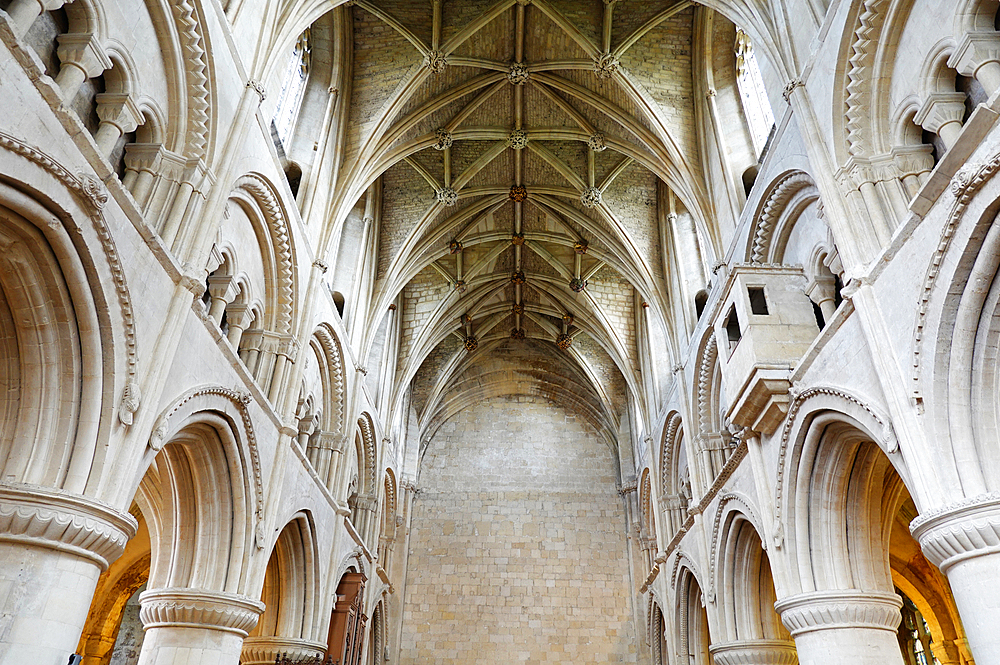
(753, 96)
(293, 87)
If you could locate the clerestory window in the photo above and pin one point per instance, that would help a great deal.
(756, 106)
(293, 86)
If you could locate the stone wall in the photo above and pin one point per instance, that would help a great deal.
(517, 545)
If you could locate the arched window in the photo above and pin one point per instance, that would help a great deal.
(293, 86)
(756, 107)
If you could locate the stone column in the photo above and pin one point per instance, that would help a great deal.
(53, 547)
(195, 626)
(265, 650)
(942, 114)
(81, 58)
(119, 115)
(754, 652)
(855, 627)
(963, 540)
(978, 55)
(24, 12)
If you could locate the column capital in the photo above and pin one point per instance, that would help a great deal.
(83, 50)
(199, 608)
(960, 531)
(755, 652)
(49, 518)
(823, 610)
(264, 650)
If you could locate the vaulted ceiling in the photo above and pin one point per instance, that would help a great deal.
(527, 155)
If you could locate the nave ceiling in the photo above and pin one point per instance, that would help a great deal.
(522, 161)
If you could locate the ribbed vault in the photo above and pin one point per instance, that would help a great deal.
(528, 153)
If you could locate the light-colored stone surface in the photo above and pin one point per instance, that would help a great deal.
(517, 545)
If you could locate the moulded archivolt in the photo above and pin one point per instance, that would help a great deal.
(158, 438)
(886, 438)
(277, 226)
(91, 193)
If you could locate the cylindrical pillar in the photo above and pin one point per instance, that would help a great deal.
(23, 13)
(195, 626)
(964, 542)
(754, 652)
(851, 627)
(53, 547)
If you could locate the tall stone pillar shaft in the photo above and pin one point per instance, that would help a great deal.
(53, 547)
(195, 626)
(850, 627)
(963, 540)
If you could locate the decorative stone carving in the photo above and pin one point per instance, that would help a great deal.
(577, 284)
(517, 308)
(436, 61)
(517, 239)
(518, 193)
(755, 652)
(597, 142)
(822, 610)
(517, 139)
(590, 197)
(43, 517)
(568, 319)
(518, 277)
(199, 608)
(959, 531)
(517, 333)
(443, 139)
(241, 400)
(258, 87)
(265, 650)
(129, 404)
(518, 73)
(471, 343)
(581, 246)
(447, 196)
(605, 65)
(92, 194)
(322, 265)
(790, 88)
(564, 341)
(460, 285)
(455, 246)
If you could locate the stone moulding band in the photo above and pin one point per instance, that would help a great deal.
(199, 608)
(43, 517)
(263, 650)
(755, 652)
(961, 531)
(828, 610)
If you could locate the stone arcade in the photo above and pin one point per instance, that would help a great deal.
(499, 331)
